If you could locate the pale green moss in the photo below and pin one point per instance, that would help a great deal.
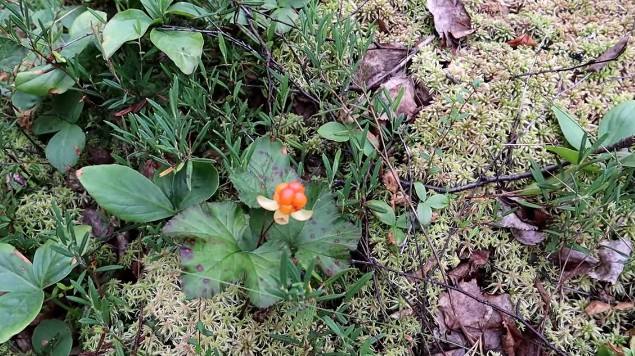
(34, 216)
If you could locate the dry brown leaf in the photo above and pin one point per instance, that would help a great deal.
(467, 268)
(522, 40)
(524, 232)
(377, 62)
(613, 256)
(391, 181)
(609, 55)
(451, 20)
(462, 318)
(394, 86)
(624, 306)
(597, 307)
(136, 107)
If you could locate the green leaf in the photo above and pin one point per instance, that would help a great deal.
(203, 184)
(618, 123)
(68, 106)
(23, 101)
(420, 189)
(125, 193)
(335, 131)
(156, 8)
(11, 54)
(81, 32)
(569, 126)
(628, 161)
(52, 337)
(284, 18)
(46, 124)
(223, 253)
(567, 154)
(382, 211)
(20, 295)
(297, 4)
(438, 201)
(123, 27)
(187, 9)
(184, 48)
(268, 166)
(43, 80)
(424, 214)
(50, 266)
(64, 148)
(326, 238)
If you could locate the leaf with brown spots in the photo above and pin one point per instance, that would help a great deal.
(451, 20)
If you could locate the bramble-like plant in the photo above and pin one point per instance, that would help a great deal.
(228, 245)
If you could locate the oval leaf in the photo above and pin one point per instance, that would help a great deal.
(618, 123)
(382, 211)
(203, 182)
(438, 201)
(123, 27)
(125, 193)
(182, 47)
(335, 131)
(52, 337)
(43, 80)
(65, 146)
(570, 128)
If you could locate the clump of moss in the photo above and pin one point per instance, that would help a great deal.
(33, 216)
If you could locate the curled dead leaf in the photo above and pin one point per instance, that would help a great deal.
(377, 62)
(522, 40)
(613, 257)
(525, 230)
(609, 55)
(465, 269)
(451, 20)
(597, 307)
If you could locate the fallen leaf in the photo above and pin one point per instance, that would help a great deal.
(394, 86)
(451, 20)
(525, 232)
(136, 107)
(469, 319)
(609, 55)
(624, 306)
(101, 227)
(467, 268)
(597, 307)
(613, 256)
(516, 343)
(574, 262)
(377, 62)
(522, 40)
(391, 181)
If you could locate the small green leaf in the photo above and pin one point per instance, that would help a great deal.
(156, 8)
(20, 295)
(50, 266)
(52, 337)
(125, 26)
(81, 32)
(43, 80)
(46, 124)
(335, 131)
(438, 201)
(182, 47)
(64, 148)
(567, 154)
(285, 18)
(628, 161)
(424, 214)
(125, 193)
(618, 123)
(268, 166)
(11, 54)
(382, 211)
(203, 184)
(187, 9)
(570, 127)
(420, 189)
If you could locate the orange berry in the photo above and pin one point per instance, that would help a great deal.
(280, 187)
(299, 200)
(296, 186)
(285, 197)
(286, 209)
